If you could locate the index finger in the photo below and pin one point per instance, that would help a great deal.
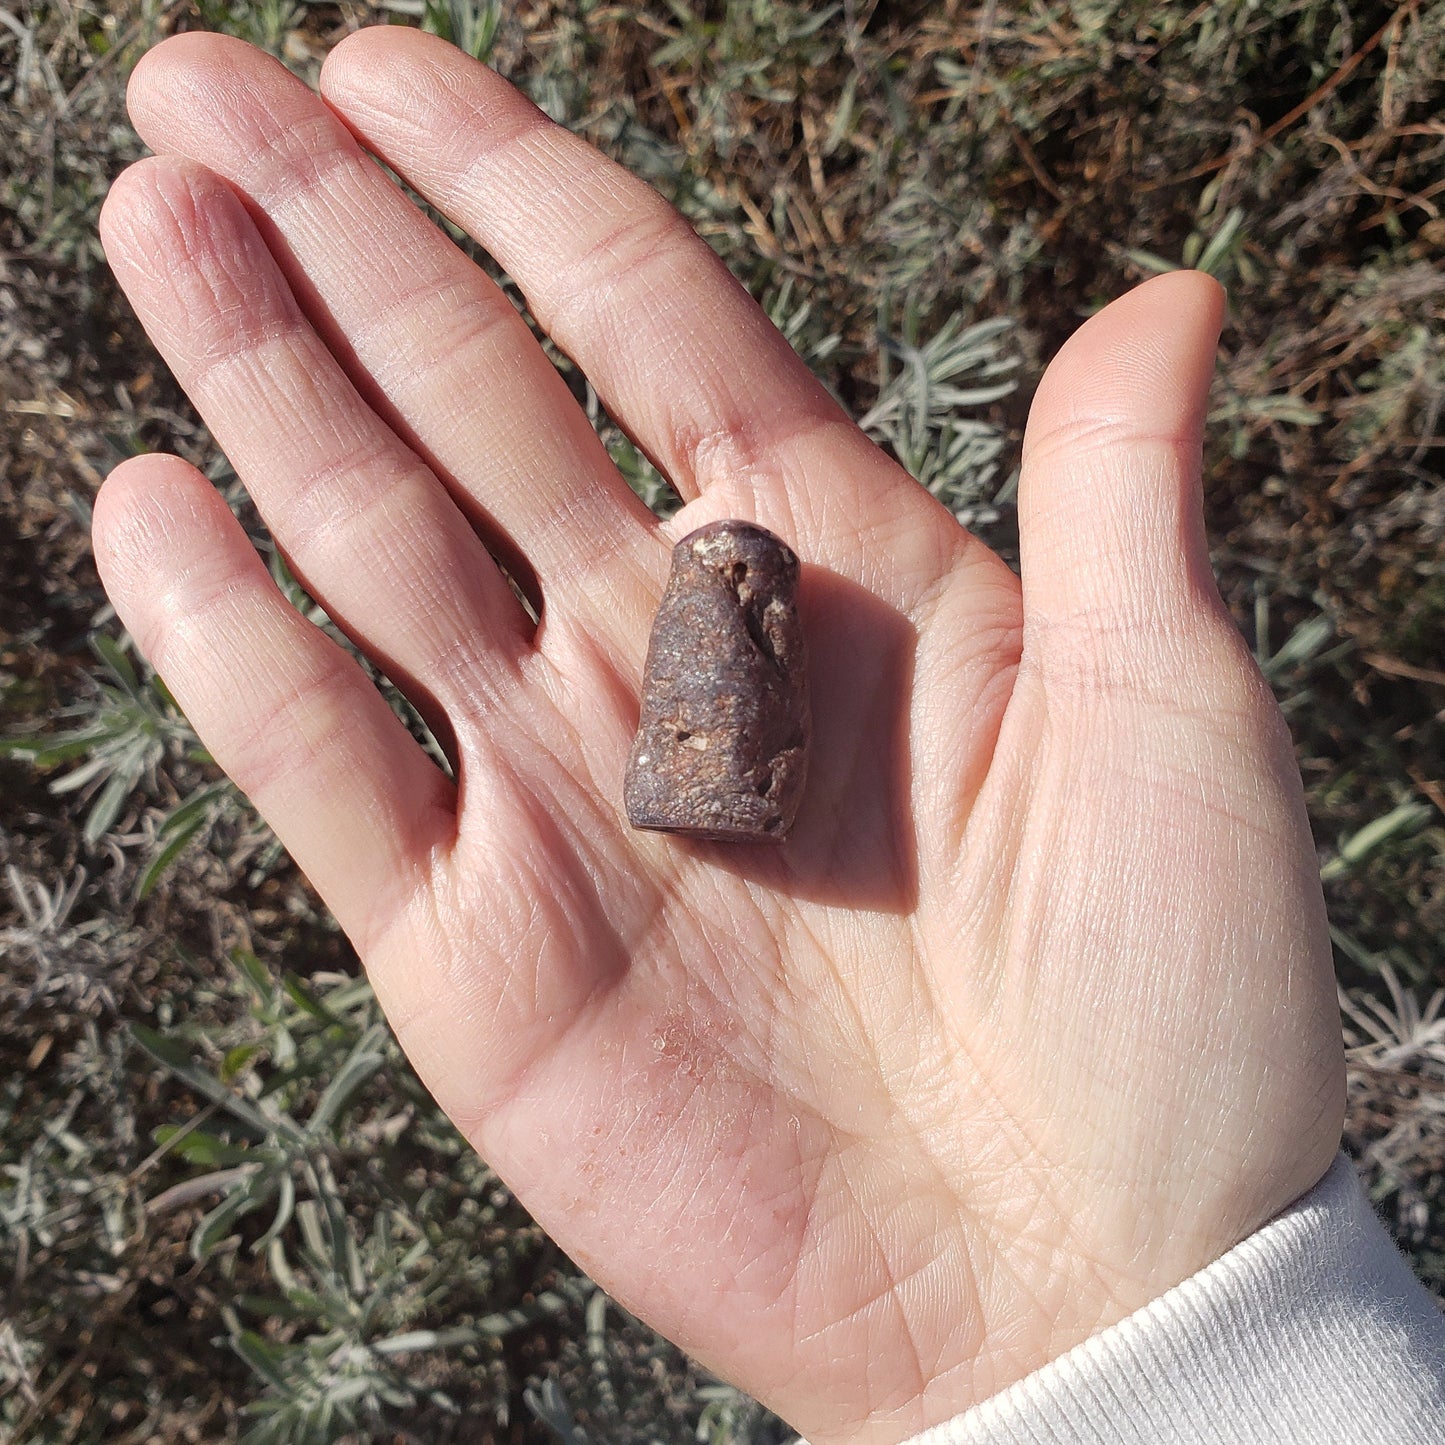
(676, 347)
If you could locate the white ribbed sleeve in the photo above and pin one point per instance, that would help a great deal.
(1313, 1331)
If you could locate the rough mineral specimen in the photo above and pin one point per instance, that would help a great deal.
(721, 751)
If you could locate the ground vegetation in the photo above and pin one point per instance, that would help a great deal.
(227, 1208)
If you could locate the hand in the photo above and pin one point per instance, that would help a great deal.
(1031, 1018)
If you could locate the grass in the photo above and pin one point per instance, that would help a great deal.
(227, 1209)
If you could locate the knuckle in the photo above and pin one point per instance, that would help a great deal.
(442, 325)
(300, 721)
(652, 235)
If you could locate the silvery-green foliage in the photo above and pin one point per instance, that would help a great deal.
(122, 731)
(470, 25)
(307, 1151)
(927, 387)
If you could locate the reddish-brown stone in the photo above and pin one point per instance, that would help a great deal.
(721, 751)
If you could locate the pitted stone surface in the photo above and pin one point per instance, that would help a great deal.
(721, 751)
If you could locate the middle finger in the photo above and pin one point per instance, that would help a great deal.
(429, 340)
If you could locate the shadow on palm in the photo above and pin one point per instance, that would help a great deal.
(854, 844)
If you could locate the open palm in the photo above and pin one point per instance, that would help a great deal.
(1030, 1018)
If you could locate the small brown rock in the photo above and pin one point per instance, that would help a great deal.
(721, 751)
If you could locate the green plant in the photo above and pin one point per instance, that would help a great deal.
(470, 25)
(1216, 251)
(917, 411)
(279, 1151)
(600, 1401)
(128, 729)
(1003, 166)
(347, 1368)
(127, 726)
(1401, 822)
(50, 955)
(312, 1140)
(746, 50)
(263, 23)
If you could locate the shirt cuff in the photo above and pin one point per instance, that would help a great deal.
(1310, 1332)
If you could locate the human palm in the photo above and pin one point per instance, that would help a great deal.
(1032, 1015)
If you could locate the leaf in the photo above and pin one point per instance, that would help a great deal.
(841, 126)
(344, 1391)
(1406, 818)
(285, 1206)
(202, 1149)
(108, 650)
(195, 808)
(255, 973)
(77, 778)
(503, 1322)
(47, 752)
(272, 1306)
(1148, 261)
(165, 695)
(110, 800)
(176, 1057)
(1221, 242)
(234, 1061)
(264, 1358)
(170, 1052)
(308, 1216)
(156, 869)
(363, 1061)
(217, 1226)
(1303, 644)
(307, 1001)
(412, 1340)
(349, 1078)
(281, 1270)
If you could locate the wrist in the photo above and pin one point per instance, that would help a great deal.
(1030, 1316)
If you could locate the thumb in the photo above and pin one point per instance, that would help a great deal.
(1114, 558)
